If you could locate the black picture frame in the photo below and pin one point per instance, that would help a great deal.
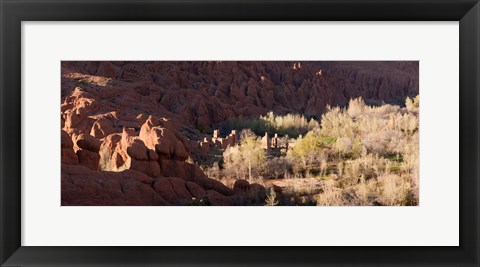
(13, 12)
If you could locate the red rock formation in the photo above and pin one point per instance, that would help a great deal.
(129, 168)
(83, 186)
(68, 155)
(241, 186)
(127, 126)
(201, 94)
(173, 190)
(166, 142)
(217, 199)
(102, 128)
(196, 190)
(88, 150)
(127, 151)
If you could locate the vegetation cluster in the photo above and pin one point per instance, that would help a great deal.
(356, 155)
(291, 125)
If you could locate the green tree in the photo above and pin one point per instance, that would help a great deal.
(249, 157)
(253, 153)
(307, 153)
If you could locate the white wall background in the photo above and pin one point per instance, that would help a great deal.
(434, 222)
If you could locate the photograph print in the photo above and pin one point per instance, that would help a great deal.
(240, 133)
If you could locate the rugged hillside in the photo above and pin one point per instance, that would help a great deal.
(127, 127)
(201, 94)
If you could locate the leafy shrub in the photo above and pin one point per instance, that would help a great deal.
(248, 158)
(292, 125)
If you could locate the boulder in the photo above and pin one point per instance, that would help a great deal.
(166, 142)
(217, 199)
(241, 186)
(88, 142)
(101, 128)
(88, 159)
(173, 190)
(196, 190)
(211, 184)
(68, 156)
(126, 151)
